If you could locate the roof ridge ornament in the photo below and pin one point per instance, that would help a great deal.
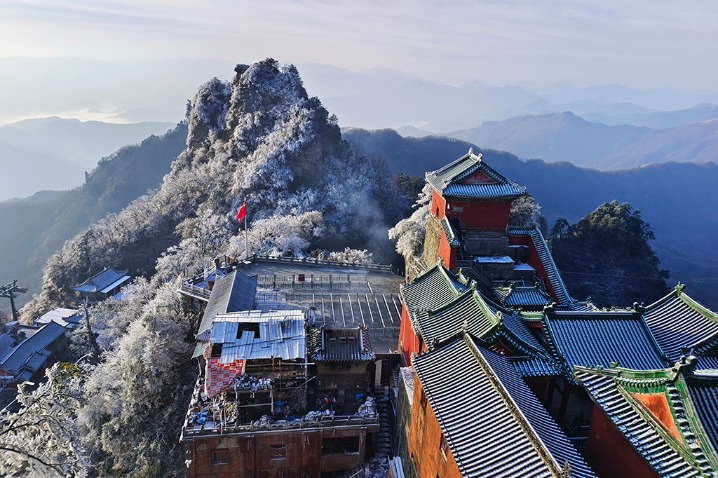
(640, 308)
(685, 366)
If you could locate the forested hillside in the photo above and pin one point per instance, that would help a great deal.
(262, 139)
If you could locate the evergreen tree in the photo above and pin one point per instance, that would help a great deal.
(606, 256)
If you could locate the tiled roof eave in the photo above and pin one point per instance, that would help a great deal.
(693, 462)
(521, 419)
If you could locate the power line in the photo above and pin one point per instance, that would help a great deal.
(610, 275)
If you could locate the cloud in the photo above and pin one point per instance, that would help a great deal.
(456, 40)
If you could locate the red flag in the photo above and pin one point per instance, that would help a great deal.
(242, 213)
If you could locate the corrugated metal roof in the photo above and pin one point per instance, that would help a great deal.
(610, 391)
(590, 339)
(448, 180)
(343, 345)
(281, 334)
(678, 322)
(471, 390)
(232, 293)
(554, 277)
(25, 350)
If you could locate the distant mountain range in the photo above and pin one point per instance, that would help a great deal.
(378, 98)
(53, 153)
(676, 199)
(567, 137)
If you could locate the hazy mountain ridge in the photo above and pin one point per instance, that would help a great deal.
(567, 137)
(379, 98)
(53, 153)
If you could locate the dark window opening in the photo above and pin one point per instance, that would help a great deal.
(423, 400)
(278, 452)
(250, 327)
(220, 457)
(346, 445)
(216, 350)
(443, 446)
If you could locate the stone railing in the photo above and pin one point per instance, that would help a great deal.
(193, 290)
(323, 262)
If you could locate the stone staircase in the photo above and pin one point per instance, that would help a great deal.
(383, 441)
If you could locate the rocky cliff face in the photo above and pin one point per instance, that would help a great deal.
(267, 141)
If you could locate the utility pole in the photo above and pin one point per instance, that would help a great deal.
(9, 292)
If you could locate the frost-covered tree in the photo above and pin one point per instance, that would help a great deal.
(526, 212)
(137, 397)
(409, 233)
(39, 434)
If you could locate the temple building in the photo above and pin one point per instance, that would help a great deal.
(505, 374)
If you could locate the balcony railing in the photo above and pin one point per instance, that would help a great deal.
(325, 421)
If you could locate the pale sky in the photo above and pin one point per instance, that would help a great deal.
(640, 43)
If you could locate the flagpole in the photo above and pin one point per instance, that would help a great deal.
(246, 233)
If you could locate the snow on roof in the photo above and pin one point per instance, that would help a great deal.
(64, 317)
(454, 180)
(24, 352)
(103, 281)
(494, 260)
(232, 293)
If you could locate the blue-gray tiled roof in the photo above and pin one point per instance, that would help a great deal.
(471, 390)
(704, 394)
(530, 367)
(449, 232)
(522, 297)
(448, 180)
(431, 290)
(343, 345)
(25, 352)
(102, 280)
(678, 322)
(591, 339)
(443, 323)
